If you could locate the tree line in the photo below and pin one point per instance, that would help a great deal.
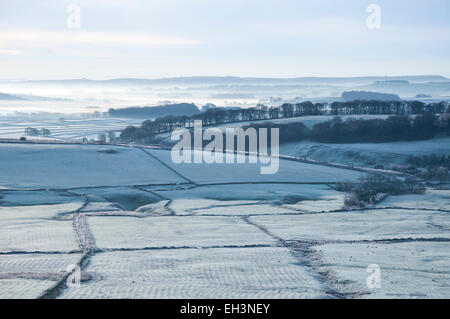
(214, 116)
(31, 131)
(352, 130)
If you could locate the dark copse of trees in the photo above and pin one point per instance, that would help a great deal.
(289, 132)
(394, 128)
(374, 187)
(432, 160)
(181, 109)
(435, 167)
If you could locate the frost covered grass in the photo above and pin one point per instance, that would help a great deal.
(272, 192)
(23, 288)
(37, 263)
(289, 171)
(171, 231)
(42, 197)
(37, 212)
(246, 236)
(127, 198)
(369, 225)
(36, 228)
(367, 154)
(267, 272)
(67, 129)
(69, 166)
(254, 199)
(408, 270)
(431, 199)
(241, 209)
(326, 203)
(100, 206)
(35, 235)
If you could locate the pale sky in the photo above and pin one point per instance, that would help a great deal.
(265, 38)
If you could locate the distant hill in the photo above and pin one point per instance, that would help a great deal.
(392, 82)
(422, 96)
(148, 112)
(233, 96)
(10, 97)
(411, 89)
(368, 96)
(24, 97)
(221, 80)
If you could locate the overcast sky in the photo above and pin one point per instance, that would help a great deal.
(267, 38)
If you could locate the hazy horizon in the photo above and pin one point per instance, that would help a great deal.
(158, 39)
(389, 76)
(200, 76)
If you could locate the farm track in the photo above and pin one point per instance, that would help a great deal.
(86, 242)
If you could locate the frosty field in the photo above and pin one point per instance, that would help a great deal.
(69, 129)
(199, 273)
(62, 166)
(367, 154)
(140, 226)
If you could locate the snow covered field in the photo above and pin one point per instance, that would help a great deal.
(140, 226)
